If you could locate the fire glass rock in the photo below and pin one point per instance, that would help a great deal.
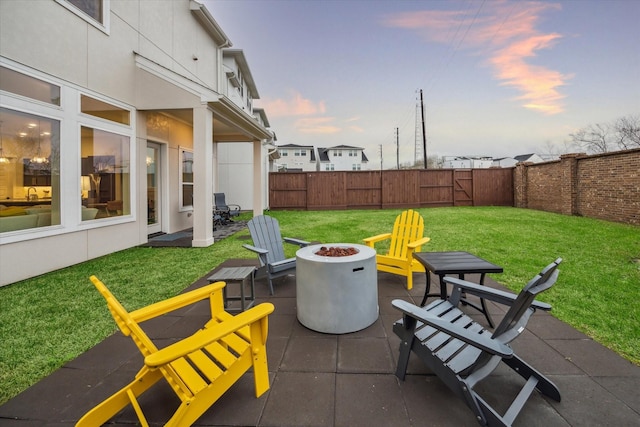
(335, 251)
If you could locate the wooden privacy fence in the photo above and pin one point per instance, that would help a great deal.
(390, 189)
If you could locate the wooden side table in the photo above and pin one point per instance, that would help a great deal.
(458, 263)
(238, 275)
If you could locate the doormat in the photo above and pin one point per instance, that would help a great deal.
(173, 236)
(182, 239)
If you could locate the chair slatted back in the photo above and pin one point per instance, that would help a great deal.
(408, 227)
(190, 374)
(265, 233)
(219, 201)
(515, 320)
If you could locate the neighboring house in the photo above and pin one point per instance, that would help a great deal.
(504, 162)
(462, 162)
(342, 158)
(296, 158)
(111, 113)
(533, 158)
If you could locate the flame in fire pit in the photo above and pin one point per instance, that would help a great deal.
(335, 251)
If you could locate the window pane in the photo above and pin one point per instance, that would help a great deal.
(20, 84)
(29, 171)
(105, 176)
(187, 195)
(104, 110)
(93, 8)
(187, 178)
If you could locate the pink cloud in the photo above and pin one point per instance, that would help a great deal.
(321, 125)
(505, 32)
(295, 105)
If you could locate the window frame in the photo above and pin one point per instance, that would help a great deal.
(182, 207)
(132, 200)
(71, 121)
(103, 26)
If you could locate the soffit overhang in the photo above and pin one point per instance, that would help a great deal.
(232, 124)
(158, 87)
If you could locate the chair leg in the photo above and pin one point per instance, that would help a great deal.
(270, 286)
(406, 344)
(526, 371)
(120, 400)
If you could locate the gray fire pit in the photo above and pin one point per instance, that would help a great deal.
(336, 295)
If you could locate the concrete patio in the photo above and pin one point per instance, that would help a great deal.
(346, 380)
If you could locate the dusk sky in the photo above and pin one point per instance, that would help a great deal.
(499, 78)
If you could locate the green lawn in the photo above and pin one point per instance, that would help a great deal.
(49, 320)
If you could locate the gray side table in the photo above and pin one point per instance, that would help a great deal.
(238, 275)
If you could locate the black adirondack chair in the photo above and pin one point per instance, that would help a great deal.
(268, 245)
(224, 211)
(462, 353)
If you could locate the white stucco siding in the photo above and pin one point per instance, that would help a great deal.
(111, 66)
(67, 57)
(235, 173)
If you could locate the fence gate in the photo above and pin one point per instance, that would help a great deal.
(463, 187)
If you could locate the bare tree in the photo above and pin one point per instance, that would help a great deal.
(622, 134)
(628, 128)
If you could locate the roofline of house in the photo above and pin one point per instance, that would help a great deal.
(205, 18)
(238, 55)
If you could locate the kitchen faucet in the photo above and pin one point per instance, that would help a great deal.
(35, 195)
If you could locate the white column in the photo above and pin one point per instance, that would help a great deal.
(257, 178)
(202, 177)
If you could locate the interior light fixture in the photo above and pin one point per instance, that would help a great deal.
(3, 158)
(39, 158)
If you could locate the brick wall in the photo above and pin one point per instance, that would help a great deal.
(605, 186)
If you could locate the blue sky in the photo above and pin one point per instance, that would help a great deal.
(499, 78)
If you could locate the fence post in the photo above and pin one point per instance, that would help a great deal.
(569, 185)
(520, 182)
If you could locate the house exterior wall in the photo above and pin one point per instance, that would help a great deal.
(344, 159)
(235, 172)
(174, 136)
(46, 40)
(289, 159)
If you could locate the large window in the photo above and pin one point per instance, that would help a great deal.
(105, 179)
(186, 179)
(29, 171)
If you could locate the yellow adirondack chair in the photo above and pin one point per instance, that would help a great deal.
(200, 368)
(406, 238)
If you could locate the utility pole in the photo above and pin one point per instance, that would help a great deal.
(380, 151)
(424, 135)
(397, 148)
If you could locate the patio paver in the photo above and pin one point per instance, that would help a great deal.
(345, 380)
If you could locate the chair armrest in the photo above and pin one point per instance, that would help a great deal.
(481, 341)
(179, 301)
(418, 242)
(374, 239)
(501, 297)
(255, 249)
(205, 337)
(301, 243)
